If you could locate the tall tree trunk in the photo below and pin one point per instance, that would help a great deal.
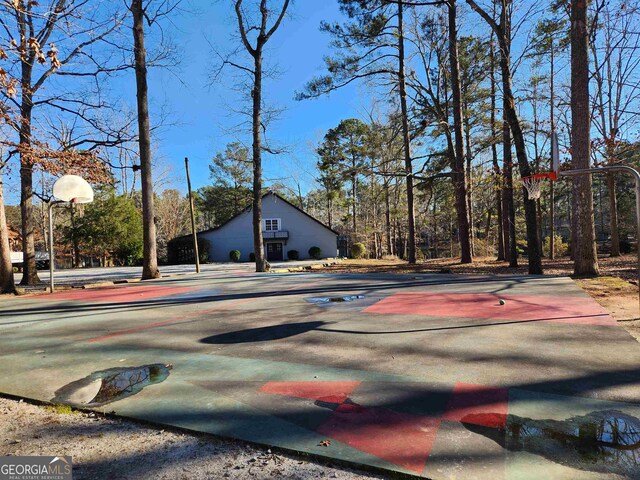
(537, 160)
(406, 141)
(503, 34)
(263, 35)
(29, 269)
(256, 95)
(459, 178)
(150, 250)
(552, 193)
(613, 214)
(531, 219)
(585, 257)
(494, 158)
(469, 179)
(487, 229)
(7, 284)
(387, 218)
(354, 220)
(500, 222)
(508, 207)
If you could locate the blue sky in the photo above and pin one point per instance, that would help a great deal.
(201, 112)
(200, 123)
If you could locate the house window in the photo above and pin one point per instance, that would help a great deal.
(271, 224)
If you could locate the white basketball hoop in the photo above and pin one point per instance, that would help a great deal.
(72, 188)
(533, 183)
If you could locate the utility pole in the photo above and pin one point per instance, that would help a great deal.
(193, 217)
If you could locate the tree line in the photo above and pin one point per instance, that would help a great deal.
(464, 116)
(465, 97)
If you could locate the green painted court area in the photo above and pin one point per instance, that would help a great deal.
(438, 376)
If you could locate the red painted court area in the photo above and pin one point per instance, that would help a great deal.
(563, 309)
(116, 294)
(398, 437)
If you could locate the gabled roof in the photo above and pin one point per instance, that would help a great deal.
(248, 209)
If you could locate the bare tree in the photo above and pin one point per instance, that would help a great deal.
(615, 49)
(254, 36)
(460, 182)
(42, 42)
(372, 47)
(172, 212)
(503, 31)
(149, 12)
(503, 246)
(150, 249)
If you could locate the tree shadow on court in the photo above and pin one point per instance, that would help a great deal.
(263, 334)
(77, 308)
(286, 330)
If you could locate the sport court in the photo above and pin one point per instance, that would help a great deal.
(426, 375)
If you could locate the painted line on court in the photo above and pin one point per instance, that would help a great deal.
(195, 314)
(135, 293)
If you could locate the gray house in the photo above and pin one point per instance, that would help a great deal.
(285, 227)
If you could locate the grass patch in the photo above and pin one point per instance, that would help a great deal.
(61, 409)
(606, 284)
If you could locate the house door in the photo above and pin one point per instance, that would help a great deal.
(274, 251)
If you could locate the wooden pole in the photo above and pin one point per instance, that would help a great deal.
(193, 217)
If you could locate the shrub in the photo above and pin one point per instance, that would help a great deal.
(293, 255)
(234, 255)
(358, 250)
(625, 246)
(522, 247)
(560, 248)
(180, 250)
(252, 257)
(483, 248)
(315, 253)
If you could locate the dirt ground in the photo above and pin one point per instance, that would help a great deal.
(616, 289)
(107, 448)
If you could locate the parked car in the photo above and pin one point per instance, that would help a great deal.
(42, 260)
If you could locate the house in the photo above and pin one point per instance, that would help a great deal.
(285, 227)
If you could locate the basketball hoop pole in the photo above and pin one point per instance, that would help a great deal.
(52, 256)
(636, 177)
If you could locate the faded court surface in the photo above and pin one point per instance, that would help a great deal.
(427, 375)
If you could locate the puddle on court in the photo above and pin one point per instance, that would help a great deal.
(106, 386)
(605, 441)
(323, 300)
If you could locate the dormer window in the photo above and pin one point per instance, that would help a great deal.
(271, 224)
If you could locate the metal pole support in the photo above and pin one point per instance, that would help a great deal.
(636, 176)
(51, 254)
